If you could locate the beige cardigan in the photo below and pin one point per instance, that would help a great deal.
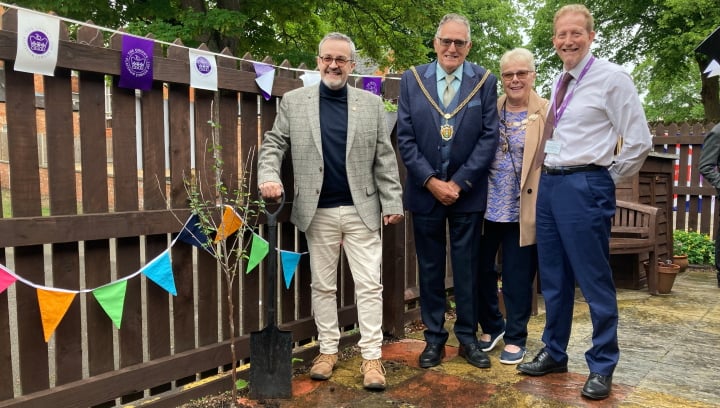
(530, 177)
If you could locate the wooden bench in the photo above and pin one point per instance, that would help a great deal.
(634, 231)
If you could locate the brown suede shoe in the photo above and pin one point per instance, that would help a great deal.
(374, 373)
(323, 366)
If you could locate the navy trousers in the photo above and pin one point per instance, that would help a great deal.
(431, 231)
(573, 235)
(518, 270)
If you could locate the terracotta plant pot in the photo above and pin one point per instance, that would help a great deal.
(666, 276)
(681, 260)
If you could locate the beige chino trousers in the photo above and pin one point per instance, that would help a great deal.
(330, 229)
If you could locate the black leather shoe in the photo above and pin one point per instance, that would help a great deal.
(474, 355)
(432, 355)
(597, 386)
(542, 364)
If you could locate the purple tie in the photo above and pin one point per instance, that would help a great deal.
(550, 122)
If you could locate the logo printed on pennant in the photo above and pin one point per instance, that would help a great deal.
(38, 43)
(137, 62)
(203, 65)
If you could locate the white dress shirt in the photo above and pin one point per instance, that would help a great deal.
(604, 106)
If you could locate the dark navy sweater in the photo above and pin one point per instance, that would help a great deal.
(333, 129)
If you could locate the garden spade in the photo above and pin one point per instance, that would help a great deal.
(271, 348)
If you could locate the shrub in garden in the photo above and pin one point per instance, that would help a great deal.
(699, 247)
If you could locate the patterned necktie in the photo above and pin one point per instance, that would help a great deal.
(550, 122)
(449, 90)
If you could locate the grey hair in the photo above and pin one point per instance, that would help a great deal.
(340, 37)
(518, 54)
(457, 18)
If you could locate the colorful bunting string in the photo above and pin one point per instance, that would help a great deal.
(54, 302)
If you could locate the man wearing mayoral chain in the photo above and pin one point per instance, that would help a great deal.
(447, 133)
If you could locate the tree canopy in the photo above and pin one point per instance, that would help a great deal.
(657, 39)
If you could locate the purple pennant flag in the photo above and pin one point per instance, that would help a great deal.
(372, 84)
(264, 76)
(136, 63)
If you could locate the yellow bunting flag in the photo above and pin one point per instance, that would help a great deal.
(231, 222)
(53, 306)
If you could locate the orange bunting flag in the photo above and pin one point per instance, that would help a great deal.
(53, 306)
(231, 222)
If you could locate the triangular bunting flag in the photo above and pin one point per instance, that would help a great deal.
(112, 298)
(6, 278)
(258, 250)
(310, 78)
(289, 264)
(53, 306)
(264, 77)
(230, 223)
(192, 233)
(159, 270)
(713, 69)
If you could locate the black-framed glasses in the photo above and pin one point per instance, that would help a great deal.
(448, 42)
(339, 61)
(508, 76)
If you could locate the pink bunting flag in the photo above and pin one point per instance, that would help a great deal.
(6, 278)
(53, 306)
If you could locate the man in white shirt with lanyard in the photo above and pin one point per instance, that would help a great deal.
(576, 197)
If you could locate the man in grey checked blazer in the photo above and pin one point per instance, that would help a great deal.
(346, 181)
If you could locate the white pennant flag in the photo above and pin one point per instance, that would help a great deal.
(310, 78)
(203, 70)
(38, 39)
(713, 69)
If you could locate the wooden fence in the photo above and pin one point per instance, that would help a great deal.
(94, 214)
(695, 207)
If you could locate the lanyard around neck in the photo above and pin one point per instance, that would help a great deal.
(559, 111)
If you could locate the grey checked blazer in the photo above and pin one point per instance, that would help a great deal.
(371, 164)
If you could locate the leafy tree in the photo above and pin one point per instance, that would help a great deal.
(657, 38)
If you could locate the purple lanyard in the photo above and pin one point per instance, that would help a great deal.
(559, 111)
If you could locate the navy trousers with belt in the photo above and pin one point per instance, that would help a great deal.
(573, 232)
(430, 231)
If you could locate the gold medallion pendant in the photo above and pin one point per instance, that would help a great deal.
(446, 132)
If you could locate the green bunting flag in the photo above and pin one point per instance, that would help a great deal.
(258, 251)
(112, 298)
